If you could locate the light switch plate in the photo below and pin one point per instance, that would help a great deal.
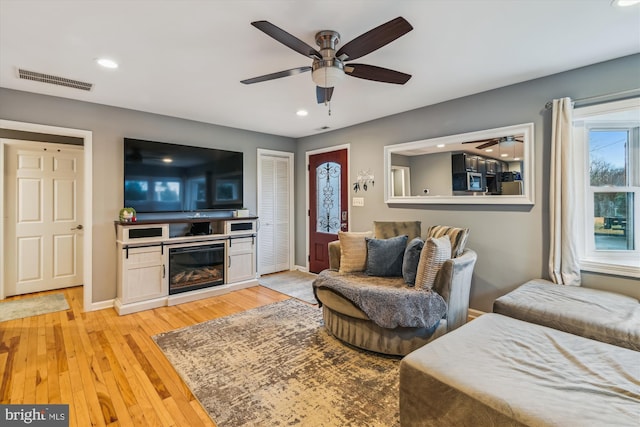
(358, 201)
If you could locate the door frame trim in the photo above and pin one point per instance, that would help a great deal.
(87, 137)
(291, 157)
(346, 146)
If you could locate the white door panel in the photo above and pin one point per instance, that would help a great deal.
(29, 200)
(43, 243)
(30, 258)
(64, 193)
(64, 252)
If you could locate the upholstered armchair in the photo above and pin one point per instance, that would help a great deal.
(348, 321)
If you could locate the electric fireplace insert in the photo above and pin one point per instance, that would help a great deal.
(195, 266)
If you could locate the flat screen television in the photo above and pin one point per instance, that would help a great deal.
(162, 177)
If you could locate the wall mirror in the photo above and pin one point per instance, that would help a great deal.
(493, 166)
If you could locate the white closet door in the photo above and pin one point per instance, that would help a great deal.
(43, 244)
(274, 212)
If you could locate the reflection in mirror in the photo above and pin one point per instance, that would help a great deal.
(401, 181)
(493, 166)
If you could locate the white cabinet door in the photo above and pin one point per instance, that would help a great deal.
(241, 259)
(142, 274)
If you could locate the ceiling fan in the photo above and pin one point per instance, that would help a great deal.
(486, 143)
(329, 66)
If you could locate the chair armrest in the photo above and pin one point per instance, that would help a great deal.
(453, 283)
(334, 255)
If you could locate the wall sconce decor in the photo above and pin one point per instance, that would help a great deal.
(364, 180)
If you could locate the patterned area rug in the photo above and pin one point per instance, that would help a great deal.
(17, 309)
(277, 366)
(295, 283)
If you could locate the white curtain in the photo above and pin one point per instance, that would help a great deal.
(564, 265)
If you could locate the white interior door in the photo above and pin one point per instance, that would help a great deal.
(44, 205)
(275, 212)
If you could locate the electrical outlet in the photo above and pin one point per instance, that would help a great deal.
(358, 201)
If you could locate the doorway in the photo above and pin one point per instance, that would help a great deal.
(44, 225)
(328, 190)
(87, 139)
(275, 211)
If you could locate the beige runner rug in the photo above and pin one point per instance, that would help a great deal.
(32, 306)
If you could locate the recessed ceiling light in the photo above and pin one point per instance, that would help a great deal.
(504, 155)
(167, 160)
(107, 63)
(440, 145)
(302, 113)
(516, 158)
(489, 150)
(625, 3)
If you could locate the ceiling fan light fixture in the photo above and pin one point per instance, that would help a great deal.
(327, 73)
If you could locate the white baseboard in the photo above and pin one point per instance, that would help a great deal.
(300, 268)
(101, 305)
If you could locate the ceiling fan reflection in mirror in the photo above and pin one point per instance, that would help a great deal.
(486, 143)
(330, 66)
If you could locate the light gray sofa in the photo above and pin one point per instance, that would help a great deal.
(500, 371)
(549, 355)
(348, 322)
(600, 315)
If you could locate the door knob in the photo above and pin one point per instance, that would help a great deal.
(79, 227)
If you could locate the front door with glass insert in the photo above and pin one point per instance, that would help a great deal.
(328, 198)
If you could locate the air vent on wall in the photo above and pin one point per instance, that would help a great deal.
(56, 80)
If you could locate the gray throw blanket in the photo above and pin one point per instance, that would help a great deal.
(387, 301)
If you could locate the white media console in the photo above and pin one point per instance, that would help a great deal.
(168, 262)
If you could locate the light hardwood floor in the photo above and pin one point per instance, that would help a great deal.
(105, 366)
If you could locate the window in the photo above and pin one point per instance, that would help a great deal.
(607, 140)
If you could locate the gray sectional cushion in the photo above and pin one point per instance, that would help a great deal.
(384, 256)
(604, 316)
(411, 260)
(497, 371)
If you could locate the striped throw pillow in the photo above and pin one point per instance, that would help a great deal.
(353, 250)
(458, 237)
(434, 253)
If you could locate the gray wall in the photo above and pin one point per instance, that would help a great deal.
(109, 126)
(512, 242)
(432, 172)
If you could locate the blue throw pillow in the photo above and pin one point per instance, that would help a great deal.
(411, 260)
(384, 256)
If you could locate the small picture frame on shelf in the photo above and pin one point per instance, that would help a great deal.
(127, 215)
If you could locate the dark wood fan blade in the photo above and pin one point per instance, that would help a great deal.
(286, 39)
(279, 74)
(374, 39)
(481, 140)
(378, 74)
(487, 144)
(323, 94)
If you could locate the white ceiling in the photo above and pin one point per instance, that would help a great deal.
(186, 58)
